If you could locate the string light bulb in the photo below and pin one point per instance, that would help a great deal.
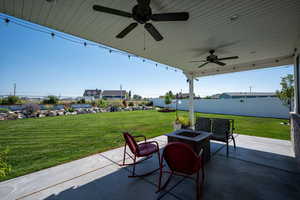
(6, 20)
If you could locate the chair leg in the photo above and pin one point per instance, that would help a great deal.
(167, 182)
(160, 170)
(227, 150)
(197, 187)
(124, 154)
(233, 141)
(203, 175)
(133, 170)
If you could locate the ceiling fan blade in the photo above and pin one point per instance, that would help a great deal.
(193, 61)
(229, 58)
(220, 63)
(127, 30)
(112, 11)
(179, 16)
(152, 30)
(203, 65)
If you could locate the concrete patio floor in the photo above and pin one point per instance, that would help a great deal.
(260, 168)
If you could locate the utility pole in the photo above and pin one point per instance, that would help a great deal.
(250, 89)
(15, 87)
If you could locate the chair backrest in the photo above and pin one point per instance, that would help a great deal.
(221, 127)
(130, 141)
(181, 158)
(203, 124)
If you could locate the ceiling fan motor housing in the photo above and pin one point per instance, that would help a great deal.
(211, 58)
(142, 12)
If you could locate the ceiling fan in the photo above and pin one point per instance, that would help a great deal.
(212, 58)
(142, 13)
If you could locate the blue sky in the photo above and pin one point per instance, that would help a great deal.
(40, 65)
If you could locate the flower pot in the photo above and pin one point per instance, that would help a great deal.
(176, 126)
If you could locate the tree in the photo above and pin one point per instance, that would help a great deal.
(168, 99)
(170, 93)
(129, 95)
(137, 97)
(286, 93)
(51, 100)
(10, 100)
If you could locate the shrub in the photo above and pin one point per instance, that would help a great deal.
(31, 108)
(131, 104)
(124, 102)
(10, 100)
(51, 100)
(102, 104)
(168, 99)
(5, 168)
(4, 110)
(94, 103)
(149, 103)
(81, 101)
(185, 122)
(70, 109)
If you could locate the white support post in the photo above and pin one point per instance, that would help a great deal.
(191, 101)
(297, 84)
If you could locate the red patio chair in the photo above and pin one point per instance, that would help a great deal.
(145, 149)
(182, 161)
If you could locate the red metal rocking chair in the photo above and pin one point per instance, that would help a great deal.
(182, 161)
(145, 149)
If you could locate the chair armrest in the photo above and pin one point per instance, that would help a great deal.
(142, 136)
(149, 142)
(200, 153)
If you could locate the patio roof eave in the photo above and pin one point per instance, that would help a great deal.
(263, 35)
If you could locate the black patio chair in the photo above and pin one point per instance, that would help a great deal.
(222, 130)
(203, 124)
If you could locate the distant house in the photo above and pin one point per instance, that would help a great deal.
(238, 95)
(181, 96)
(184, 95)
(92, 94)
(114, 94)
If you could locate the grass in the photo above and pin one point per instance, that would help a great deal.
(40, 143)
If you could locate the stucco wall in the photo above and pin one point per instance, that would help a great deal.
(259, 107)
(295, 135)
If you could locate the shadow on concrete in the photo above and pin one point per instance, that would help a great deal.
(245, 174)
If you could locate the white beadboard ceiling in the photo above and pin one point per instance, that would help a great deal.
(264, 35)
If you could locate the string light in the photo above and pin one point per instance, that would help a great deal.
(6, 20)
(69, 38)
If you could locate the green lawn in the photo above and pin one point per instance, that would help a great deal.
(40, 143)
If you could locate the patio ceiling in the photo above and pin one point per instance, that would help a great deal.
(262, 33)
